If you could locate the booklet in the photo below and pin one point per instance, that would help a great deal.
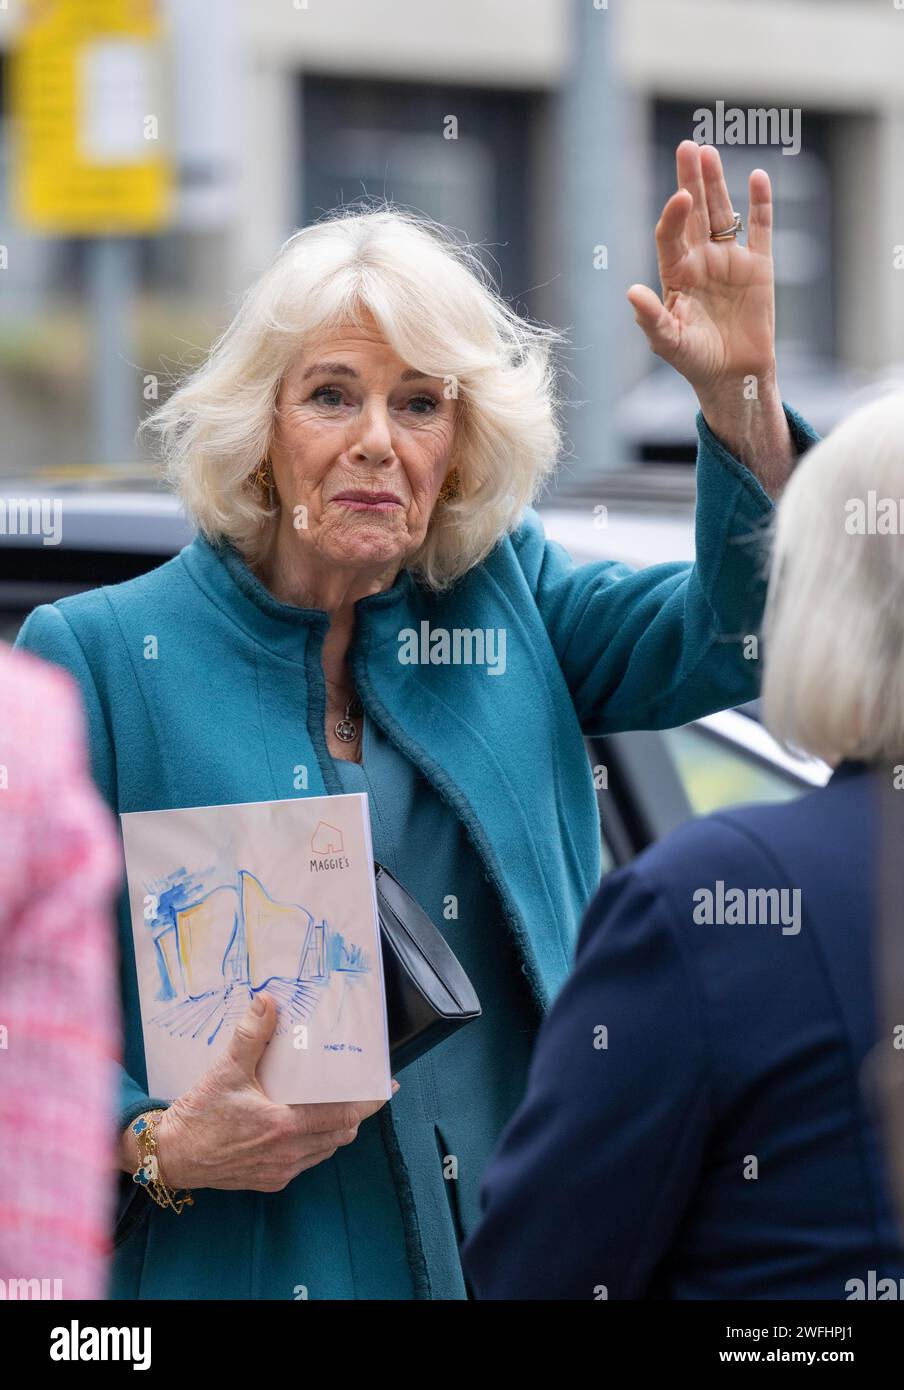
(278, 896)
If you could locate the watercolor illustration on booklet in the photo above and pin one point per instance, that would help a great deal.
(265, 895)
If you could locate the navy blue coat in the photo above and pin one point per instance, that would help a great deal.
(713, 1140)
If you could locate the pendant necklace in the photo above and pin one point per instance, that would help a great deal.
(346, 730)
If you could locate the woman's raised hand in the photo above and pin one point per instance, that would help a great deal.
(226, 1133)
(715, 323)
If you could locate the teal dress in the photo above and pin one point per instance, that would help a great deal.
(446, 1139)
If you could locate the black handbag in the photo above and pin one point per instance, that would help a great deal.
(428, 994)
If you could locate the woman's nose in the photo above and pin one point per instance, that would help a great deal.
(371, 432)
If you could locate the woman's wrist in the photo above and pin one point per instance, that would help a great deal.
(150, 1169)
(169, 1153)
(754, 430)
(168, 1156)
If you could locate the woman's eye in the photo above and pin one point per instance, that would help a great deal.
(323, 391)
(333, 396)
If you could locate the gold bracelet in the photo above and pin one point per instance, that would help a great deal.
(147, 1174)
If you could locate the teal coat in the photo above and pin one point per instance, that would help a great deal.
(228, 703)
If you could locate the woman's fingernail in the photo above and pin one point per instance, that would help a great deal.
(258, 1006)
(395, 1087)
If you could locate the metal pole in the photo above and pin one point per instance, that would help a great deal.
(113, 278)
(588, 207)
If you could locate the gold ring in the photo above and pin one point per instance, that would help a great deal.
(729, 232)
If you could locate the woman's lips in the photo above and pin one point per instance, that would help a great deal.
(362, 502)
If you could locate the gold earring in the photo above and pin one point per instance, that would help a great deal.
(263, 474)
(451, 487)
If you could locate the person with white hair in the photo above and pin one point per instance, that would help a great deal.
(727, 1139)
(360, 452)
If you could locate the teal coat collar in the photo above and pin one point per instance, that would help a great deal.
(223, 573)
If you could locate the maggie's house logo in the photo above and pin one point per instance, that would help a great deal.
(77, 1343)
(326, 848)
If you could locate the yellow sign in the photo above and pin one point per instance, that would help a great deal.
(86, 152)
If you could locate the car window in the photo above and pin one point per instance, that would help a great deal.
(607, 857)
(717, 774)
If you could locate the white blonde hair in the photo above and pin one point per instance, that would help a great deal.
(436, 306)
(834, 624)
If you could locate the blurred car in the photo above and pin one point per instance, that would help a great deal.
(656, 418)
(117, 524)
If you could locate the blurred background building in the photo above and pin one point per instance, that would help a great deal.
(544, 130)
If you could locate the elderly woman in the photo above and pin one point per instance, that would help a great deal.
(724, 1143)
(359, 453)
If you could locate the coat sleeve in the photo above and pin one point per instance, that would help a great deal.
(47, 633)
(595, 1170)
(661, 646)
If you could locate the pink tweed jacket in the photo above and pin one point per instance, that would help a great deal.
(59, 1022)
